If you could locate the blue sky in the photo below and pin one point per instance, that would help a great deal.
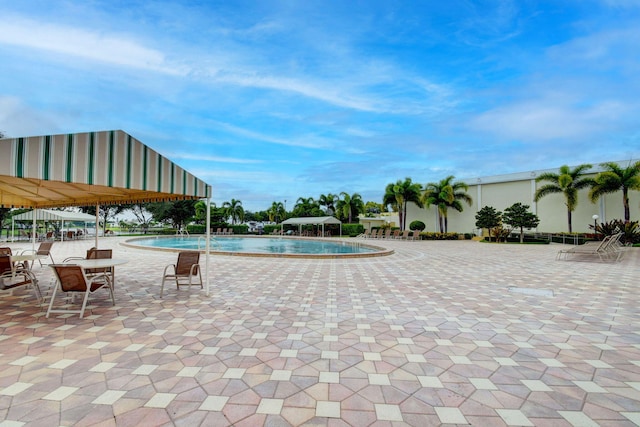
(275, 100)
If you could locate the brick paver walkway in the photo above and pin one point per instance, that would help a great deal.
(439, 333)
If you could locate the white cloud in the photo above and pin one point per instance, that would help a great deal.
(115, 49)
(544, 120)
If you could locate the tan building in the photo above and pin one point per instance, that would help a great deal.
(502, 191)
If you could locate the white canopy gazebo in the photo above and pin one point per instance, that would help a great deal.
(313, 220)
(48, 215)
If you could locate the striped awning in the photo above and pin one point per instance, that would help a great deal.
(108, 167)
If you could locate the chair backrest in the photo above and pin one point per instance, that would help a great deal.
(604, 243)
(71, 277)
(5, 251)
(44, 248)
(185, 260)
(94, 253)
(5, 263)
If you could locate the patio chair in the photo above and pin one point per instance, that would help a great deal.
(43, 249)
(405, 235)
(415, 235)
(71, 279)
(186, 271)
(17, 275)
(396, 234)
(94, 253)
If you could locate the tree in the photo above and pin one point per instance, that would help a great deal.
(398, 195)
(144, 217)
(329, 202)
(446, 194)
(518, 216)
(488, 218)
(178, 213)
(276, 212)
(106, 213)
(372, 208)
(568, 182)
(615, 178)
(4, 214)
(350, 206)
(306, 207)
(234, 210)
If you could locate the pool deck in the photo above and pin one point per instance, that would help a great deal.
(438, 333)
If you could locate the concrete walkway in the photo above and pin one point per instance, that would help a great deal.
(431, 335)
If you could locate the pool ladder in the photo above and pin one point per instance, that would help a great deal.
(202, 243)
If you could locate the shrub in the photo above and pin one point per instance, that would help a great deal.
(417, 225)
(630, 230)
(352, 230)
(196, 229)
(438, 236)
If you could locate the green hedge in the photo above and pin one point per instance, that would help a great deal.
(438, 236)
(352, 230)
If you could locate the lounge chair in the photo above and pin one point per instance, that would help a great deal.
(603, 249)
(396, 234)
(415, 235)
(186, 271)
(43, 249)
(365, 235)
(387, 234)
(72, 279)
(374, 234)
(405, 235)
(17, 275)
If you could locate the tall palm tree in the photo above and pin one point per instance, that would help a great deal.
(350, 205)
(329, 202)
(568, 182)
(615, 178)
(234, 210)
(276, 212)
(399, 194)
(446, 194)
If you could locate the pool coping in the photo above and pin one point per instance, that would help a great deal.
(379, 251)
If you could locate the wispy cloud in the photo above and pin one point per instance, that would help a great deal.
(115, 49)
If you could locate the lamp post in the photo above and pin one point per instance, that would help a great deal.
(595, 222)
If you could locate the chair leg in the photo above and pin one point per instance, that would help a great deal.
(53, 297)
(84, 303)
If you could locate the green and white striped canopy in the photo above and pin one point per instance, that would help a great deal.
(107, 167)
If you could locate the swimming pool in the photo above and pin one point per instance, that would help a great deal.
(263, 246)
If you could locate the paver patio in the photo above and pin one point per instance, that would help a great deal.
(430, 335)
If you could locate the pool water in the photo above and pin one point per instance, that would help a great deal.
(259, 245)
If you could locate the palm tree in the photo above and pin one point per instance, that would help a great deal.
(234, 210)
(399, 194)
(306, 207)
(276, 212)
(615, 178)
(446, 194)
(329, 202)
(349, 205)
(568, 181)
